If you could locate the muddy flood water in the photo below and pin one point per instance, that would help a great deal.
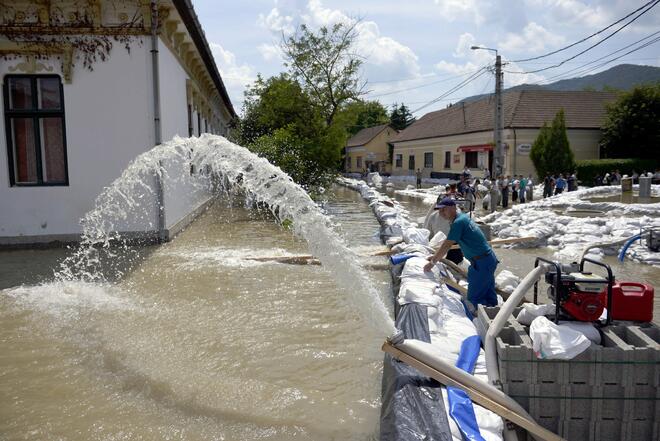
(198, 342)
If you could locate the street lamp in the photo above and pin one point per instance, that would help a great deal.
(499, 151)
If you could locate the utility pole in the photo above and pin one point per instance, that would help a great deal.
(498, 155)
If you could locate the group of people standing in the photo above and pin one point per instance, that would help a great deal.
(518, 188)
(557, 184)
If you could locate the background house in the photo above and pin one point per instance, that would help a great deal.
(368, 150)
(87, 87)
(462, 135)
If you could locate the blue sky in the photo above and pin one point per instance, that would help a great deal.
(416, 51)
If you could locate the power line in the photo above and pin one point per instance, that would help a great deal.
(459, 86)
(581, 67)
(655, 2)
(585, 38)
(427, 84)
(648, 43)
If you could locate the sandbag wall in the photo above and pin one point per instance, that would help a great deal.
(414, 406)
(609, 392)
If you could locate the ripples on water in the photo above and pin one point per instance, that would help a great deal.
(193, 341)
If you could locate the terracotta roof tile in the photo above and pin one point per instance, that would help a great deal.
(365, 135)
(522, 109)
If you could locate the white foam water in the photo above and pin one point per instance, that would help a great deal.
(223, 168)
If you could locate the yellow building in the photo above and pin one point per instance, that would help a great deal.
(368, 150)
(448, 140)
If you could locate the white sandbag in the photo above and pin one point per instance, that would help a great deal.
(507, 281)
(437, 239)
(421, 291)
(414, 268)
(410, 248)
(556, 342)
(393, 240)
(416, 235)
(585, 328)
(530, 311)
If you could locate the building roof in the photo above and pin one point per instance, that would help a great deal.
(521, 109)
(189, 17)
(365, 135)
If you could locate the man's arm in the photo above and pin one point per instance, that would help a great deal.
(442, 251)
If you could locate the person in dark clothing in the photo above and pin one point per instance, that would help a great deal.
(548, 186)
(571, 182)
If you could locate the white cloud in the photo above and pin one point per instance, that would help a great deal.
(276, 22)
(465, 41)
(318, 16)
(235, 76)
(533, 39)
(576, 12)
(270, 52)
(385, 58)
(453, 10)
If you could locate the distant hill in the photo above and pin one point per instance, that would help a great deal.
(623, 77)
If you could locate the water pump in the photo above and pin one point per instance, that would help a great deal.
(577, 293)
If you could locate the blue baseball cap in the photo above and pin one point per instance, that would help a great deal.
(445, 202)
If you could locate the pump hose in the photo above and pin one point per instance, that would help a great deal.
(629, 242)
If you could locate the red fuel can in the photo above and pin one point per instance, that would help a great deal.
(631, 301)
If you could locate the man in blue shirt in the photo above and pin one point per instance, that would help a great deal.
(473, 243)
(560, 185)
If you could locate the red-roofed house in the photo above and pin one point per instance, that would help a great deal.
(462, 135)
(368, 150)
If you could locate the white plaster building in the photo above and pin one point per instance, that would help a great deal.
(446, 141)
(72, 123)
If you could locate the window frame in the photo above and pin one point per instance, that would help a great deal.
(447, 160)
(35, 114)
(411, 162)
(398, 160)
(427, 163)
(473, 160)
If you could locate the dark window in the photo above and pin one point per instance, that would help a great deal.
(472, 159)
(348, 163)
(206, 126)
(199, 124)
(428, 160)
(399, 161)
(191, 129)
(411, 162)
(35, 130)
(447, 159)
(358, 162)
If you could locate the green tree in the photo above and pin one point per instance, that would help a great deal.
(400, 118)
(551, 151)
(281, 123)
(632, 125)
(276, 103)
(326, 65)
(358, 115)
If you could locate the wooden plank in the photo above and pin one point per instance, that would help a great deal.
(532, 427)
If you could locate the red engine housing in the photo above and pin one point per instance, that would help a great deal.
(584, 306)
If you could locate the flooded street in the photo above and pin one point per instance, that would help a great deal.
(200, 342)
(196, 343)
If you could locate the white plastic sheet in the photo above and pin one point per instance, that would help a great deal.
(556, 342)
